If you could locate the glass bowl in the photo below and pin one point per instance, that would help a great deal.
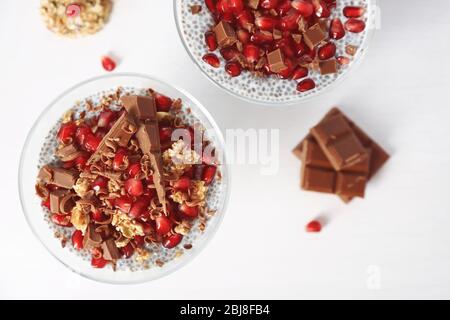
(38, 147)
(269, 91)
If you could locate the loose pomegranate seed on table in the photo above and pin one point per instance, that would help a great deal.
(257, 28)
(313, 226)
(108, 63)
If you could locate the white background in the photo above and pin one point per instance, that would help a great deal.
(399, 94)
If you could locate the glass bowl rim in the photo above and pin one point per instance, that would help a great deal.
(225, 167)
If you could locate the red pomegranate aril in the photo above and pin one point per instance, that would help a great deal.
(243, 36)
(284, 6)
(290, 21)
(229, 53)
(60, 220)
(119, 159)
(123, 203)
(77, 239)
(182, 184)
(134, 187)
(127, 251)
(355, 25)
(172, 241)
(343, 60)
(305, 7)
(108, 63)
(46, 203)
(139, 241)
(99, 183)
(327, 51)
(165, 134)
(321, 9)
(105, 118)
(134, 169)
(300, 72)
(92, 142)
(66, 132)
(236, 5)
(246, 19)
(189, 211)
(81, 133)
(306, 85)
(266, 23)
(233, 68)
(81, 161)
(211, 5)
(287, 47)
(269, 4)
(223, 7)
(314, 226)
(353, 12)
(99, 263)
(211, 41)
(209, 173)
(337, 30)
(138, 208)
(98, 216)
(261, 38)
(212, 60)
(251, 52)
(163, 225)
(163, 103)
(68, 164)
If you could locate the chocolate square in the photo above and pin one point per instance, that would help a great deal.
(319, 180)
(351, 184)
(140, 107)
(328, 67)
(55, 200)
(225, 34)
(314, 35)
(148, 138)
(276, 61)
(313, 155)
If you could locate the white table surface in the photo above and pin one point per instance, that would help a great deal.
(393, 244)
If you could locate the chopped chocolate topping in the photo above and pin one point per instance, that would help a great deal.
(314, 35)
(148, 138)
(253, 4)
(92, 239)
(68, 153)
(58, 176)
(225, 34)
(328, 66)
(140, 107)
(110, 251)
(276, 61)
(55, 200)
(67, 203)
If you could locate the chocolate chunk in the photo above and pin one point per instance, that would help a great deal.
(92, 239)
(58, 176)
(275, 60)
(68, 153)
(55, 200)
(351, 184)
(110, 251)
(67, 203)
(319, 180)
(120, 133)
(148, 138)
(328, 66)
(339, 143)
(225, 34)
(253, 4)
(314, 35)
(140, 107)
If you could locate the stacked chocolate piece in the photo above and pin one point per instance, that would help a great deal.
(338, 157)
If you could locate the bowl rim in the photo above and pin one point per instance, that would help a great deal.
(356, 63)
(225, 167)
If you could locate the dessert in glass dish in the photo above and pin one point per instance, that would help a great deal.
(129, 179)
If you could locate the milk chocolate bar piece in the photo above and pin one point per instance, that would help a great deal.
(317, 179)
(120, 133)
(338, 142)
(140, 107)
(351, 184)
(58, 176)
(68, 153)
(328, 67)
(55, 200)
(148, 138)
(92, 238)
(276, 61)
(110, 251)
(225, 34)
(314, 35)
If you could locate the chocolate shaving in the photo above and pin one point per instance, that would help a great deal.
(92, 239)
(58, 176)
(67, 203)
(68, 153)
(110, 251)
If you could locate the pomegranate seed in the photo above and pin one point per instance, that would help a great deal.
(355, 25)
(290, 21)
(60, 220)
(266, 23)
(236, 5)
(305, 7)
(119, 159)
(210, 40)
(286, 73)
(100, 183)
(212, 60)
(326, 51)
(284, 7)
(68, 164)
(134, 170)
(321, 9)
(165, 134)
(337, 29)
(138, 207)
(300, 72)
(123, 203)
(343, 60)
(223, 7)
(81, 134)
(127, 251)
(251, 53)
(105, 118)
(182, 184)
(229, 53)
(98, 216)
(46, 203)
(261, 38)
(134, 187)
(306, 85)
(172, 241)
(209, 173)
(243, 36)
(188, 211)
(92, 142)
(353, 12)
(108, 63)
(286, 45)
(139, 241)
(269, 4)
(211, 5)
(163, 225)
(163, 103)
(313, 226)
(246, 19)
(99, 263)
(77, 239)
(233, 68)
(66, 132)
(73, 10)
